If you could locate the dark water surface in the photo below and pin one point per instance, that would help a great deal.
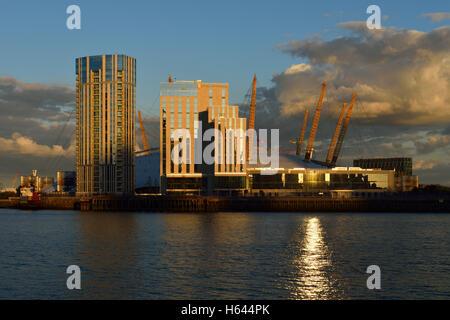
(223, 255)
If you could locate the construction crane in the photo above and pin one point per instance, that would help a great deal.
(312, 136)
(302, 134)
(337, 150)
(251, 119)
(15, 179)
(144, 137)
(336, 134)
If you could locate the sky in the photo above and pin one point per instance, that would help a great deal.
(401, 72)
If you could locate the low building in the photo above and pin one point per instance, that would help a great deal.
(404, 179)
(29, 181)
(298, 177)
(406, 183)
(45, 184)
(402, 166)
(66, 181)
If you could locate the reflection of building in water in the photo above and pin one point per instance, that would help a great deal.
(108, 252)
(314, 281)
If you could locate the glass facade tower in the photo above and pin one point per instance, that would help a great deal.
(105, 102)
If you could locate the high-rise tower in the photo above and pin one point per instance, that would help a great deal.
(105, 95)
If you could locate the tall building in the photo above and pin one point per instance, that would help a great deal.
(196, 107)
(105, 97)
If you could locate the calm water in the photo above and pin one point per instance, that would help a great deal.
(223, 255)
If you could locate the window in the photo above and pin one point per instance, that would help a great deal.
(171, 113)
(188, 123)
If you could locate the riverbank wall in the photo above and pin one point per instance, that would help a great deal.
(158, 203)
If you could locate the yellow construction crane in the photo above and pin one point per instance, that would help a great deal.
(146, 150)
(337, 150)
(302, 134)
(251, 119)
(312, 136)
(336, 134)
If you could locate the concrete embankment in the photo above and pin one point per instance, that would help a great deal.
(262, 204)
(157, 203)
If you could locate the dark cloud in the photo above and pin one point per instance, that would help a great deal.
(35, 101)
(438, 174)
(446, 131)
(432, 143)
(37, 128)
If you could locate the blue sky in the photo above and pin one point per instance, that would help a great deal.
(216, 41)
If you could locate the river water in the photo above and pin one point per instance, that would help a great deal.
(223, 255)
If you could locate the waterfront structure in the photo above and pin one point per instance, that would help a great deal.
(105, 102)
(338, 181)
(298, 177)
(66, 181)
(404, 179)
(40, 184)
(30, 180)
(45, 184)
(196, 106)
(402, 166)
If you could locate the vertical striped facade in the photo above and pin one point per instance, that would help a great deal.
(181, 106)
(105, 98)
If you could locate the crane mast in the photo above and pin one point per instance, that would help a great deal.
(15, 179)
(251, 119)
(144, 137)
(302, 134)
(337, 150)
(336, 134)
(312, 136)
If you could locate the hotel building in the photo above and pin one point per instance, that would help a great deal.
(196, 107)
(105, 126)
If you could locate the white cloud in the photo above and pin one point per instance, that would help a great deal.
(425, 164)
(302, 67)
(21, 145)
(401, 76)
(437, 16)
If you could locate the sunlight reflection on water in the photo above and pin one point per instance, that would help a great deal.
(312, 281)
